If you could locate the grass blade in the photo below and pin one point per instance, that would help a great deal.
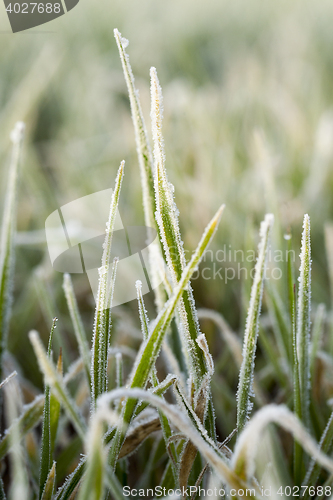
(304, 321)
(7, 261)
(248, 443)
(46, 457)
(49, 484)
(52, 378)
(167, 220)
(150, 348)
(55, 407)
(141, 137)
(102, 324)
(77, 323)
(245, 391)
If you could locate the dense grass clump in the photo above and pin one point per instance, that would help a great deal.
(170, 415)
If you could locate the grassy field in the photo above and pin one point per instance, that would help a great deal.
(248, 122)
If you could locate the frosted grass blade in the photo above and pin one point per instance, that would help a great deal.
(245, 390)
(7, 251)
(102, 323)
(141, 137)
(55, 407)
(167, 220)
(67, 489)
(46, 457)
(150, 348)
(49, 484)
(248, 443)
(53, 379)
(77, 323)
(154, 380)
(304, 321)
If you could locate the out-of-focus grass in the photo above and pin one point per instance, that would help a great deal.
(248, 120)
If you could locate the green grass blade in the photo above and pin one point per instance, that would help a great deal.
(53, 379)
(151, 347)
(146, 169)
(7, 239)
(55, 407)
(317, 334)
(166, 429)
(245, 391)
(167, 219)
(304, 321)
(77, 323)
(141, 137)
(46, 458)
(102, 324)
(49, 484)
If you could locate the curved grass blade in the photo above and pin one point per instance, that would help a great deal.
(29, 418)
(46, 457)
(52, 378)
(248, 443)
(245, 390)
(7, 252)
(77, 323)
(183, 423)
(102, 323)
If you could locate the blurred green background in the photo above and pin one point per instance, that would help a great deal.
(248, 120)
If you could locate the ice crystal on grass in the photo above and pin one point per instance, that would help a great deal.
(245, 386)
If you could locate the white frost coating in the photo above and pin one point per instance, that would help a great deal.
(142, 311)
(248, 443)
(4, 382)
(303, 317)
(245, 386)
(164, 193)
(17, 134)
